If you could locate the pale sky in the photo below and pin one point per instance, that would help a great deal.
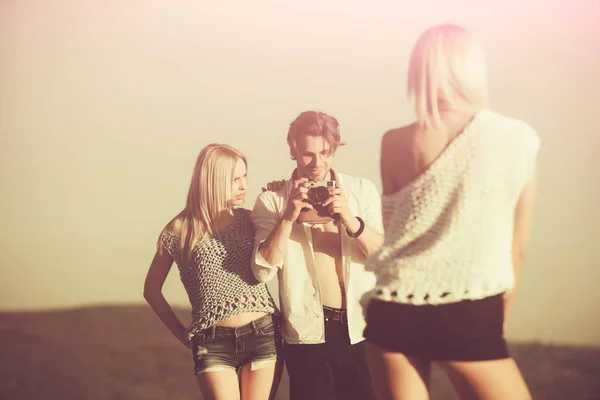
(104, 107)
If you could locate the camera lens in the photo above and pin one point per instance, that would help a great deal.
(318, 194)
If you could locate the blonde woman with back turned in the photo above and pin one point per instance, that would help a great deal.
(458, 188)
(233, 331)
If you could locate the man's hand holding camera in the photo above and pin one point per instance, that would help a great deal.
(337, 204)
(323, 197)
(296, 201)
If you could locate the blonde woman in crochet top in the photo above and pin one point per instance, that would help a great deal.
(458, 187)
(233, 334)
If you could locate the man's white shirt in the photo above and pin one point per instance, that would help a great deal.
(299, 292)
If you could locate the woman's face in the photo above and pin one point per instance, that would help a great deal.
(240, 181)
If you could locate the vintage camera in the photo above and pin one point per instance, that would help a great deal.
(318, 192)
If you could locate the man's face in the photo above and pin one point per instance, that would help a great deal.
(313, 157)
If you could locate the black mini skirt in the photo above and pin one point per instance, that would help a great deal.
(469, 330)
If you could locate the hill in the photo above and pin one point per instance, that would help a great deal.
(124, 353)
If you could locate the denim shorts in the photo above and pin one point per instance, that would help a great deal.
(218, 347)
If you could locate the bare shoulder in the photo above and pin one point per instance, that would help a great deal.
(400, 134)
(174, 226)
(397, 157)
(169, 238)
(399, 137)
(397, 143)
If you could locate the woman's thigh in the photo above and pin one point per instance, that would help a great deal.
(261, 368)
(260, 380)
(483, 380)
(396, 376)
(215, 365)
(219, 385)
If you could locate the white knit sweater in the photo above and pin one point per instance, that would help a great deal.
(448, 234)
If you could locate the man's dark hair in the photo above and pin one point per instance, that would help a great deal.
(314, 123)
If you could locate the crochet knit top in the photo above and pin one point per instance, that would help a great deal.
(219, 281)
(448, 233)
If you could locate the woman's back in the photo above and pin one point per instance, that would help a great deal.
(409, 151)
(448, 206)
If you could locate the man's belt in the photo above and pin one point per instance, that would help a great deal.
(335, 314)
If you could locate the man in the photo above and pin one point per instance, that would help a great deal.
(320, 265)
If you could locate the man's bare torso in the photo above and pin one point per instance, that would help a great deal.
(328, 259)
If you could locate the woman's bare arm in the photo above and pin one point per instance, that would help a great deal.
(157, 274)
(521, 233)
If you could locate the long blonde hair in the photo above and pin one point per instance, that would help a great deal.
(446, 72)
(208, 196)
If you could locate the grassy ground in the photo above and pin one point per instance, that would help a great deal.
(125, 353)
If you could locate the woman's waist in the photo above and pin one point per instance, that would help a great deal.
(230, 316)
(256, 323)
(238, 320)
